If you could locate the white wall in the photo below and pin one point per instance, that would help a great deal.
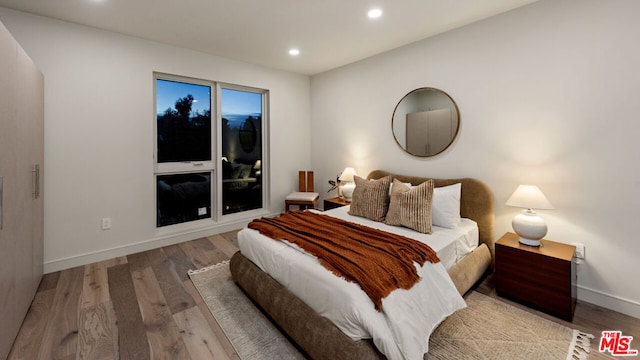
(99, 134)
(547, 95)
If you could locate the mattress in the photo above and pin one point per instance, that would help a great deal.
(451, 245)
(408, 317)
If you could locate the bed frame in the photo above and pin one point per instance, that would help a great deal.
(316, 335)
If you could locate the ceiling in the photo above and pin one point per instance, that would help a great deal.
(328, 33)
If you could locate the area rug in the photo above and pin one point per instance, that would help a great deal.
(486, 329)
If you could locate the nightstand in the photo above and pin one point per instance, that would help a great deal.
(334, 203)
(543, 277)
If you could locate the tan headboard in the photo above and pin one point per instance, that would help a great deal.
(476, 200)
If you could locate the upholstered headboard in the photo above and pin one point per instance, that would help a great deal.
(476, 200)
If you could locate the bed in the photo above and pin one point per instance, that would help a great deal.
(317, 335)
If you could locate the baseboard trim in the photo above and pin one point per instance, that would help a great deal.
(154, 243)
(612, 302)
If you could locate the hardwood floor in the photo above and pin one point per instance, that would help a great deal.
(588, 318)
(144, 306)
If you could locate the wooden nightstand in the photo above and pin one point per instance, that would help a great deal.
(334, 203)
(542, 277)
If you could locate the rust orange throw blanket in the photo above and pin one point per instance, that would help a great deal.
(378, 261)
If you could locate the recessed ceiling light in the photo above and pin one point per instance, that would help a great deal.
(374, 13)
(294, 52)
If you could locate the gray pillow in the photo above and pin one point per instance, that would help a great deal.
(371, 198)
(411, 207)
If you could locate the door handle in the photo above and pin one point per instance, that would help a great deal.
(36, 181)
(1, 203)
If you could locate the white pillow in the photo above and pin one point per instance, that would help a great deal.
(407, 184)
(445, 208)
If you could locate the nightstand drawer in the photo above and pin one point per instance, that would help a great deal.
(543, 278)
(551, 273)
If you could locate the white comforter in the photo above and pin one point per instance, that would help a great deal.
(400, 331)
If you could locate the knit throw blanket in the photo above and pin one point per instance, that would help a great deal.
(378, 261)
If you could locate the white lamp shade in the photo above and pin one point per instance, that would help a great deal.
(347, 174)
(529, 197)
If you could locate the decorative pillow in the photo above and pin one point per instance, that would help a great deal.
(370, 198)
(411, 207)
(446, 206)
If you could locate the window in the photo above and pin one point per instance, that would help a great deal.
(242, 117)
(187, 152)
(184, 165)
(183, 197)
(184, 121)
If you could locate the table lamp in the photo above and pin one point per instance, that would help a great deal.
(348, 183)
(528, 225)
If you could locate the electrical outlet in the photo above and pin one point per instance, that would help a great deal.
(579, 250)
(106, 223)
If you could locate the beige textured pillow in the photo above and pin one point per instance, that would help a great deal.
(411, 207)
(371, 198)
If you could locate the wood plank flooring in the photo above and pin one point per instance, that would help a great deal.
(143, 306)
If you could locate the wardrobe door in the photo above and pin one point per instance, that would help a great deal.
(30, 113)
(440, 130)
(37, 165)
(29, 106)
(10, 223)
(417, 131)
(21, 211)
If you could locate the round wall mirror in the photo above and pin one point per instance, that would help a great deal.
(425, 122)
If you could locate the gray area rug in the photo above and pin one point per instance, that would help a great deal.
(487, 329)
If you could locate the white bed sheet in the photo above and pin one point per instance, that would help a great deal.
(451, 245)
(408, 317)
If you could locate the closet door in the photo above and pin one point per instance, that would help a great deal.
(429, 132)
(21, 145)
(440, 130)
(417, 133)
(10, 227)
(30, 114)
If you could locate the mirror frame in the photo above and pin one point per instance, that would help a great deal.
(453, 106)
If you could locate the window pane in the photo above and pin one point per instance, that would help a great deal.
(184, 121)
(183, 197)
(241, 150)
